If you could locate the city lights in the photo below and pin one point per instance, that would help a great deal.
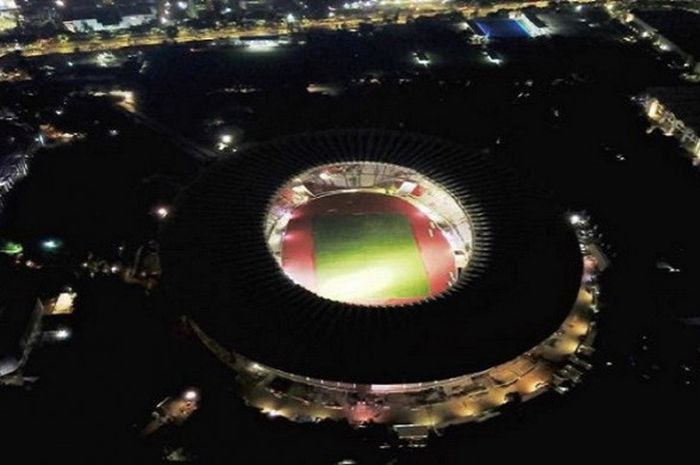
(346, 230)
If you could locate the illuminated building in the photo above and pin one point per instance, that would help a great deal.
(674, 112)
(9, 14)
(20, 323)
(6, 5)
(509, 316)
(108, 19)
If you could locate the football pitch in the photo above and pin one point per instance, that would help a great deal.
(370, 257)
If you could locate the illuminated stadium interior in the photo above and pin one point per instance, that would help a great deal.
(368, 233)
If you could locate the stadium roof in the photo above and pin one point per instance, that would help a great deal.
(520, 284)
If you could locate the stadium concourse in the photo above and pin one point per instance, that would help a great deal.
(367, 248)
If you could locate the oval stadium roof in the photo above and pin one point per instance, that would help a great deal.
(520, 284)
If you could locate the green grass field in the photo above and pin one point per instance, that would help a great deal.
(367, 257)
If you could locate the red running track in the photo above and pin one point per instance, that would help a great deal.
(298, 244)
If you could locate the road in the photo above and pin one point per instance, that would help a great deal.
(345, 21)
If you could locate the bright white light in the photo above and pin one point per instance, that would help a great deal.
(360, 285)
(162, 212)
(422, 60)
(51, 244)
(226, 138)
(290, 18)
(62, 334)
(190, 394)
(105, 58)
(261, 45)
(60, 3)
(182, 5)
(575, 219)
(493, 59)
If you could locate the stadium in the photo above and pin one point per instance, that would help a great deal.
(374, 276)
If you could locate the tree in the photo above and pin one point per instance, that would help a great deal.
(171, 32)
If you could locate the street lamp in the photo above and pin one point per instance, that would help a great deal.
(575, 219)
(62, 334)
(190, 395)
(50, 244)
(162, 212)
